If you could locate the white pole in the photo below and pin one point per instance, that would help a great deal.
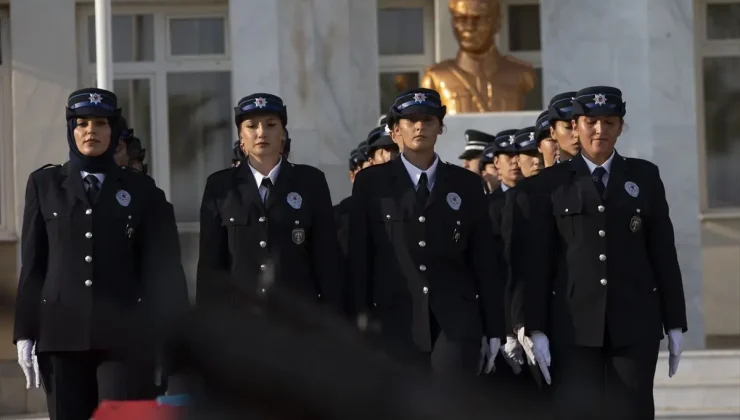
(103, 44)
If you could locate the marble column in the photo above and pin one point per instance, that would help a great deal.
(321, 57)
(44, 66)
(644, 47)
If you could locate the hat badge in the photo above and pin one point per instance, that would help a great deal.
(96, 98)
(531, 135)
(420, 97)
(599, 99)
(260, 102)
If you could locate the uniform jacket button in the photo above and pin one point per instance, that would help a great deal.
(602, 233)
(88, 235)
(88, 212)
(423, 267)
(603, 282)
(319, 295)
(231, 220)
(55, 214)
(476, 297)
(88, 259)
(602, 257)
(262, 219)
(263, 267)
(263, 244)
(263, 290)
(422, 219)
(88, 283)
(425, 290)
(601, 209)
(422, 244)
(375, 304)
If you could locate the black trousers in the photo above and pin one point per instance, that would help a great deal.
(446, 358)
(609, 382)
(75, 382)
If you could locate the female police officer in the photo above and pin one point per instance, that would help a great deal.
(607, 283)
(266, 221)
(100, 265)
(421, 250)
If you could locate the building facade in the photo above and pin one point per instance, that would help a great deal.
(179, 66)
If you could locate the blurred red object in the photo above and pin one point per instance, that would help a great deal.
(138, 410)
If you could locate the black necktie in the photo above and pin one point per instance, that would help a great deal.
(422, 191)
(93, 188)
(267, 183)
(597, 176)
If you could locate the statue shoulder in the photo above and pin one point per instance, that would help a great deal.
(435, 72)
(527, 74)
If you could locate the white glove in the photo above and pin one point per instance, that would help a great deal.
(488, 351)
(537, 348)
(675, 348)
(29, 363)
(512, 354)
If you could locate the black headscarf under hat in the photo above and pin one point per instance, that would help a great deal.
(88, 103)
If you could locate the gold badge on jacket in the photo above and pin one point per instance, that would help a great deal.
(635, 224)
(299, 235)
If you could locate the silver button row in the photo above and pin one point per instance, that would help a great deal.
(88, 283)
(422, 219)
(603, 282)
(263, 244)
(88, 212)
(88, 258)
(88, 235)
(602, 257)
(602, 233)
(422, 244)
(601, 209)
(425, 290)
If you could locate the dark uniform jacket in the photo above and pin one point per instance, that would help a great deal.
(95, 276)
(602, 265)
(406, 260)
(341, 215)
(513, 309)
(246, 245)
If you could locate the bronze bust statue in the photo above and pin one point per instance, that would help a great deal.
(479, 79)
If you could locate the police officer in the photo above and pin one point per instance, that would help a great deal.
(135, 153)
(607, 283)
(363, 155)
(488, 171)
(530, 162)
(475, 142)
(267, 221)
(381, 148)
(100, 271)
(420, 248)
(238, 154)
(546, 145)
(561, 129)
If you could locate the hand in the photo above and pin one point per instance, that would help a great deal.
(28, 362)
(494, 344)
(526, 344)
(512, 354)
(675, 348)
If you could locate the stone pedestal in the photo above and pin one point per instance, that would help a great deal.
(321, 57)
(644, 48)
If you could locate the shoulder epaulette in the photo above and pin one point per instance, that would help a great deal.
(47, 166)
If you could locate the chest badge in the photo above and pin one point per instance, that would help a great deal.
(299, 236)
(635, 224)
(632, 189)
(123, 198)
(454, 201)
(295, 200)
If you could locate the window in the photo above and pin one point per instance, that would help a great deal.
(519, 37)
(719, 64)
(405, 45)
(7, 221)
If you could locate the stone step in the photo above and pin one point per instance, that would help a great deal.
(703, 365)
(698, 415)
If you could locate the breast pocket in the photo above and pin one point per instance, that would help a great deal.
(127, 224)
(237, 230)
(298, 225)
(567, 208)
(388, 217)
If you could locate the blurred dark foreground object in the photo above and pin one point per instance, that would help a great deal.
(285, 359)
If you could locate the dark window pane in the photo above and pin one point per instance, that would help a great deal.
(391, 84)
(524, 28)
(133, 38)
(401, 31)
(722, 128)
(200, 122)
(533, 100)
(723, 21)
(134, 101)
(198, 36)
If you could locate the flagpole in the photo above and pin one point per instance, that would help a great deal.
(103, 44)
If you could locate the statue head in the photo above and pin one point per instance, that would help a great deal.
(475, 23)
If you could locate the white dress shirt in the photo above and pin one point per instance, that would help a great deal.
(504, 187)
(100, 177)
(415, 173)
(258, 177)
(607, 166)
